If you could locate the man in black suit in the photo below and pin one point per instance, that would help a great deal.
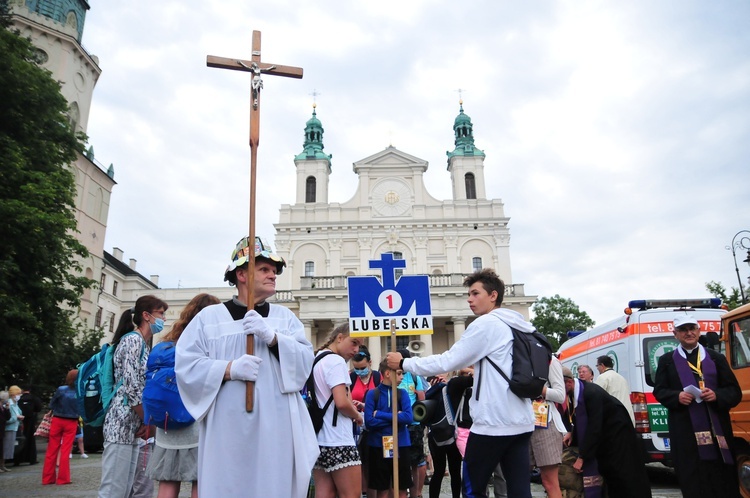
(30, 405)
(609, 451)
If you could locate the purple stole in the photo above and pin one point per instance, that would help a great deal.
(703, 416)
(592, 481)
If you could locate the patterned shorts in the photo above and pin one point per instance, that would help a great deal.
(337, 457)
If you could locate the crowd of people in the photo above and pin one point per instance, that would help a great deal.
(241, 375)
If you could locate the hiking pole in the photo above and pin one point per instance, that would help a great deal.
(394, 411)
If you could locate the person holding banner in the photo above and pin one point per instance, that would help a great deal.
(502, 422)
(271, 450)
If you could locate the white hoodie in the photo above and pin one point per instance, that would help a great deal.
(497, 412)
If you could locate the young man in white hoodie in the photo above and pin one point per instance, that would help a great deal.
(503, 422)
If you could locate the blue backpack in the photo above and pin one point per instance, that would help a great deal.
(162, 405)
(95, 384)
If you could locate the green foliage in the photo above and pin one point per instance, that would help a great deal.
(733, 299)
(555, 316)
(41, 284)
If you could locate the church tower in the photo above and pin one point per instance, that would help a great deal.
(466, 162)
(55, 28)
(313, 165)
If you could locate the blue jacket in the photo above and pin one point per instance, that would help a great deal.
(64, 403)
(13, 423)
(381, 424)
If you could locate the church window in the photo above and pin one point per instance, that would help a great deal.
(114, 288)
(309, 268)
(476, 264)
(471, 187)
(102, 281)
(98, 318)
(111, 323)
(402, 342)
(310, 189)
(74, 116)
(399, 271)
(71, 20)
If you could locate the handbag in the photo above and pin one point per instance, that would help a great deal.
(44, 425)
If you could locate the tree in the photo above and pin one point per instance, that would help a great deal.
(555, 316)
(41, 280)
(732, 300)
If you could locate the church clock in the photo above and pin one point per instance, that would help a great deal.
(391, 197)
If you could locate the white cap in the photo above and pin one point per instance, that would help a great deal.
(684, 320)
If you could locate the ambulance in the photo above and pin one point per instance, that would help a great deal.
(635, 342)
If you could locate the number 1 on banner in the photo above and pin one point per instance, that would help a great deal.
(390, 301)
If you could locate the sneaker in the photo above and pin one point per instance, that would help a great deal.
(84, 455)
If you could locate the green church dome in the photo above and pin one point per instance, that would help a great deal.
(313, 145)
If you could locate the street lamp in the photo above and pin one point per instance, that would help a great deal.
(742, 243)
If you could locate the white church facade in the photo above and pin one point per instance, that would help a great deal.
(390, 212)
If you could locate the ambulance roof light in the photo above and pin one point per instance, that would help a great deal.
(642, 304)
(572, 333)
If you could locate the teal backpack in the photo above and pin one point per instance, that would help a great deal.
(95, 384)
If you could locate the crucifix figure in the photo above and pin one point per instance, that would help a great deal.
(257, 68)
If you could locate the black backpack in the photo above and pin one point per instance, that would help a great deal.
(532, 354)
(442, 430)
(313, 407)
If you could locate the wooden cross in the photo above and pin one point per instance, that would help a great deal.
(255, 66)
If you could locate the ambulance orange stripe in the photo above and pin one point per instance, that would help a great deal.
(634, 328)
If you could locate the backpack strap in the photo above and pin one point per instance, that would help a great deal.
(312, 391)
(494, 365)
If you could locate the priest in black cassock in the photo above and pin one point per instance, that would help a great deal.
(698, 387)
(610, 453)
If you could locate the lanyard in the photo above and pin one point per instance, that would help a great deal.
(697, 369)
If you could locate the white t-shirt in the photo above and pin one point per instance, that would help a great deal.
(328, 373)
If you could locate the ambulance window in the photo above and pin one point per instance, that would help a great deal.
(740, 337)
(653, 349)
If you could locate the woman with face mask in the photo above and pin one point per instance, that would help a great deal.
(11, 425)
(363, 379)
(123, 424)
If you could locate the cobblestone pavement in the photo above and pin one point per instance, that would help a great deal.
(25, 480)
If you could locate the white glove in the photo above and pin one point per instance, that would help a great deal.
(254, 324)
(245, 368)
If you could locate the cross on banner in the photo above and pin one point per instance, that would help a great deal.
(257, 67)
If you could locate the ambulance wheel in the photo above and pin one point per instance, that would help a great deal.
(743, 469)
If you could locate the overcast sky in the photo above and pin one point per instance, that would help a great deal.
(616, 133)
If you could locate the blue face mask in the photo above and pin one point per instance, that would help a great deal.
(157, 326)
(362, 371)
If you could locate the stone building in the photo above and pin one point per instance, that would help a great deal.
(55, 28)
(391, 211)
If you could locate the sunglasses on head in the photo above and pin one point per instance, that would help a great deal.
(361, 356)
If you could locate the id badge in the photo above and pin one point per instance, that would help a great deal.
(541, 414)
(701, 384)
(387, 446)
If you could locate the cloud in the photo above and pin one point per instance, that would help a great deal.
(615, 134)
